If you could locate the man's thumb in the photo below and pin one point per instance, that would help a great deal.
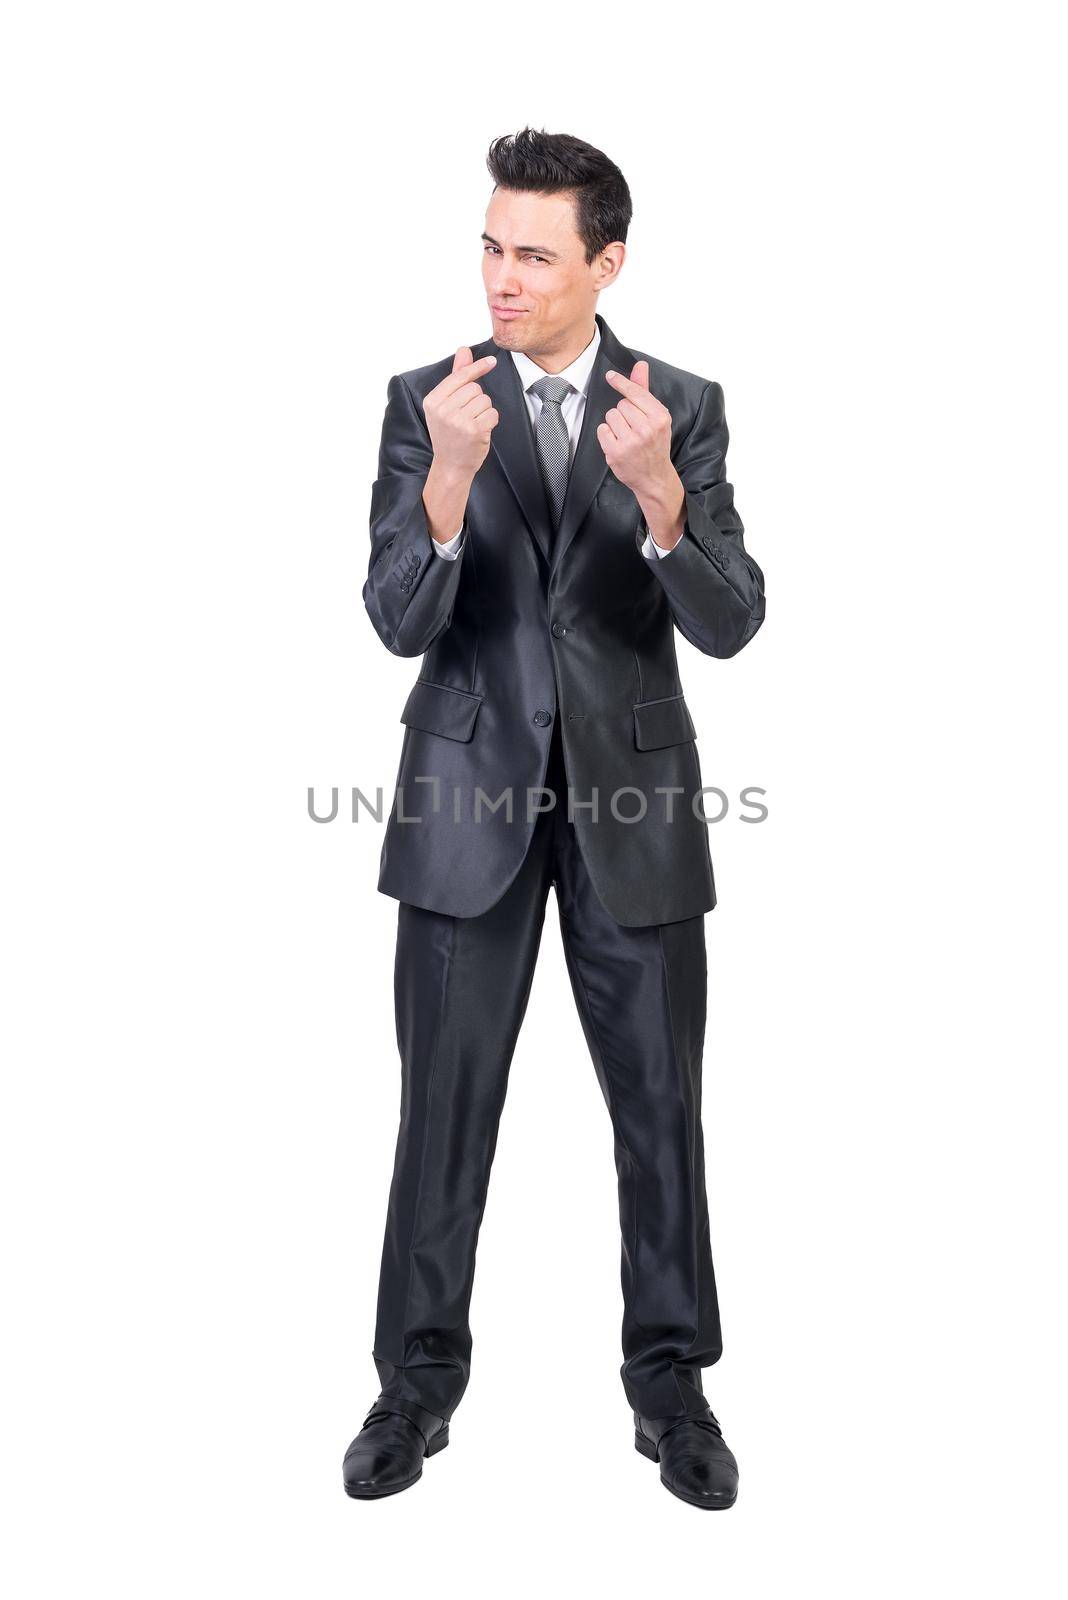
(462, 358)
(640, 375)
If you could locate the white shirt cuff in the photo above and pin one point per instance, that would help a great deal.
(652, 551)
(450, 548)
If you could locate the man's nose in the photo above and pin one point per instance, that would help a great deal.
(507, 284)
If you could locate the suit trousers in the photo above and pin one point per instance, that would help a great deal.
(461, 990)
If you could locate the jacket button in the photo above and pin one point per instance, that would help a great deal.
(543, 718)
(558, 630)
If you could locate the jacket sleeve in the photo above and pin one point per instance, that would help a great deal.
(408, 594)
(714, 588)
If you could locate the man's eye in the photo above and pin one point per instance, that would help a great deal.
(487, 248)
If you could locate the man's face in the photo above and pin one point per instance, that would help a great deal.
(534, 264)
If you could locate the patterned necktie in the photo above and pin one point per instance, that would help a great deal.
(553, 440)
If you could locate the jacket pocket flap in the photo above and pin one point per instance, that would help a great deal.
(433, 708)
(662, 722)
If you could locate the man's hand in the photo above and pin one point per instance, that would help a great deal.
(636, 439)
(461, 417)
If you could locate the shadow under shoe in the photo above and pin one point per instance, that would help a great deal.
(387, 1454)
(695, 1461)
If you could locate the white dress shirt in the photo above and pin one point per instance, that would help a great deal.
(572, 408)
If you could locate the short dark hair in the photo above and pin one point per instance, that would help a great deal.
(548, 163)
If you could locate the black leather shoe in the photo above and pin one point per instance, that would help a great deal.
(695, 1463)
(387, 1454)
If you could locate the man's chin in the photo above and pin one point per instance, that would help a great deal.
(511, 334)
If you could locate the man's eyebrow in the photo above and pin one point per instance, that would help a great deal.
(535, 249)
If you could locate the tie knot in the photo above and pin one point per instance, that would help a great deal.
(551, 389)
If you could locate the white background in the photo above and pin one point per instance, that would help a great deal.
(227, 226)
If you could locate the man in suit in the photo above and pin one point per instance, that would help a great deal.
(550, 505)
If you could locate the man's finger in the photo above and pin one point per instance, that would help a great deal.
(640, 374)
(605, 436)
(618, 424)
(637, 392)
(464, 369)
(462, 397)
(633, 414)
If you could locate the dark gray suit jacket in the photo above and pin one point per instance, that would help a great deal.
(521, 632)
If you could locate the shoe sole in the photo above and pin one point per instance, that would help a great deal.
(702, 1502)
(646, 1448)
(381, 1494)
(438, 1442)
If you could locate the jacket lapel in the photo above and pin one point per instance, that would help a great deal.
(513, 441)
(588, 465)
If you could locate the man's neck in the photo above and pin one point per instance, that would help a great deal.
(557, 360)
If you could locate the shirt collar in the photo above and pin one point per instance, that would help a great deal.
(578, 373)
